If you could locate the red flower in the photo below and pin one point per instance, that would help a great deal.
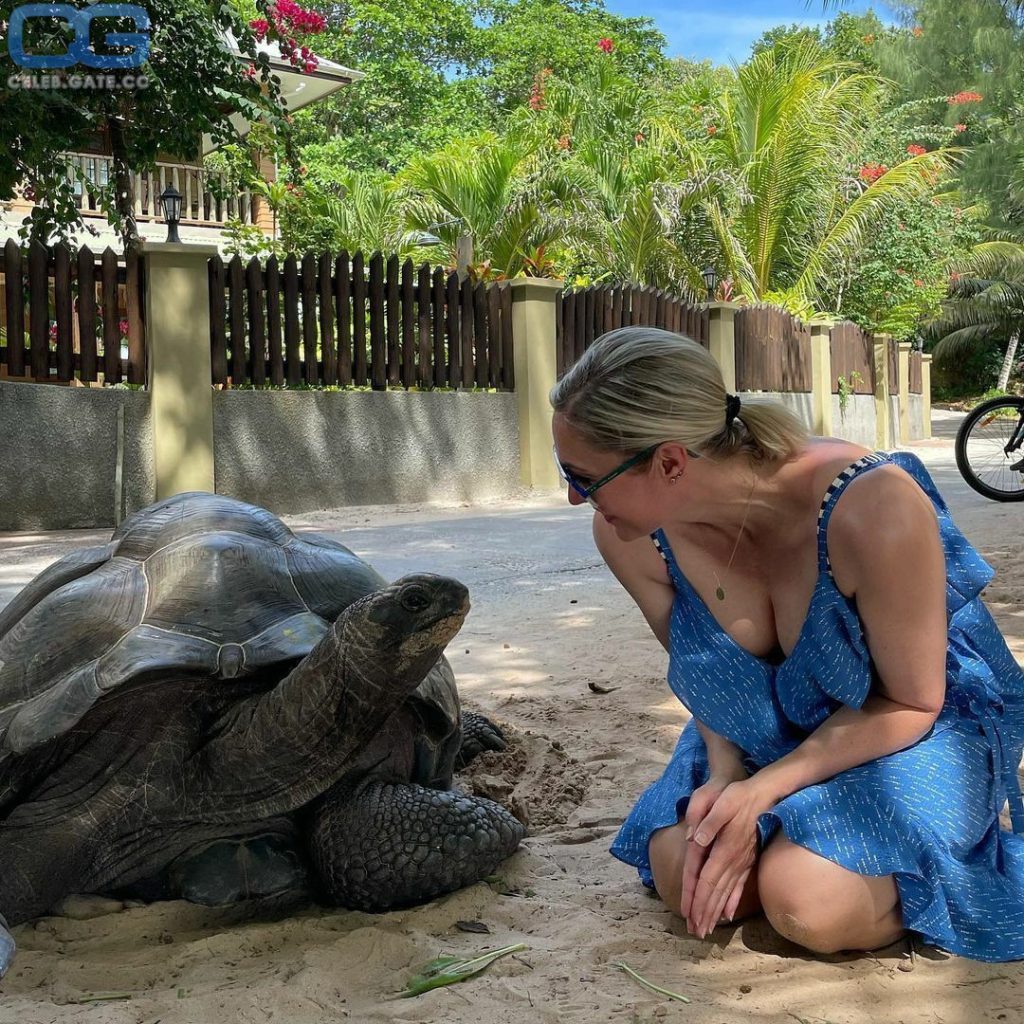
(638, 138)
(916, 150)
(712, 129)
(260, 26)
(869, 38)
(53, 332)
(918, 283)
(958, 128)
(122, 326)
(870, 173)
(250, 72)
(606, 44)
(917, 31)
(965, 97)
(537, 90)
(954, 277)
(564, 143)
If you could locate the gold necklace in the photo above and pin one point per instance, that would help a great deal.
(720, 588)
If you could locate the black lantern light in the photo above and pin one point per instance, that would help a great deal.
(710, 280)
(170, 200)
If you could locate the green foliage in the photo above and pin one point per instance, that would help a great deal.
(519, 38)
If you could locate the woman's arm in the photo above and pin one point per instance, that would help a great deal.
(889, 558)
(642, 573)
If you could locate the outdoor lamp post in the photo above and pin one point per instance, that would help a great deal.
(710, 280)
(170, 200)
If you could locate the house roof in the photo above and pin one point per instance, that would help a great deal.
(298, 88)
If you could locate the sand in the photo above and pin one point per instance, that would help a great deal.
(548, 620)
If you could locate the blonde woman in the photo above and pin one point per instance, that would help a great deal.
(857, 716)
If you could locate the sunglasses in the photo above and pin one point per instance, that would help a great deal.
(587, 490)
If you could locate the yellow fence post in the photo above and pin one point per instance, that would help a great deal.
(821, 376)
(179, 367)
(534, 341)
(881, 390)
(904, 391)
(722, 339)
(926, 396)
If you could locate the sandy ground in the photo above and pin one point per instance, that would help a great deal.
(547, 620)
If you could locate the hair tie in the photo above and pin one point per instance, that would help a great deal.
(732, 409)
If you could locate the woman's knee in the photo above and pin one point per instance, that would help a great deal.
(801, 905)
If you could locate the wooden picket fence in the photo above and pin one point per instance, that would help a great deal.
(62, 313)
(773, 351)
(853, 358)
(348, 321)
(584, 314)
(916, 381)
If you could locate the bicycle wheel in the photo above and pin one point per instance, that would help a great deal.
(990, 449)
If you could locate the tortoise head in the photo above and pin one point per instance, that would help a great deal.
(404, 627)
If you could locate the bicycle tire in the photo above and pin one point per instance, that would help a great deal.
(979, 418)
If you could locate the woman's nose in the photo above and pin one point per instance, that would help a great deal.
(574, 497)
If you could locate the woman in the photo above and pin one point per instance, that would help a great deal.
(857, 716)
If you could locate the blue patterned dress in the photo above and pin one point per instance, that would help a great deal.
(927, 815)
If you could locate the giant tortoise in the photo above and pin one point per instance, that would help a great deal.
(209, 706)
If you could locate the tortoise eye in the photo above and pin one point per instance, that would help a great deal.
(415, 599)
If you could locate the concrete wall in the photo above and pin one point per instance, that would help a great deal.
(916, 418)
(302, 450)
(60, 455)
(857, 424)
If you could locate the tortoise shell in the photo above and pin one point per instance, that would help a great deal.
(196, 583)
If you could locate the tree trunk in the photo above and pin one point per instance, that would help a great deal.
(1011, 353)
(124, 189)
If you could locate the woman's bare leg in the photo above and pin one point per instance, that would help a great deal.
(822, 906)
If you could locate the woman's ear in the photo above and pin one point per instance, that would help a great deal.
(671, 460)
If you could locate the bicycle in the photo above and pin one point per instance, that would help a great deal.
(990, 448)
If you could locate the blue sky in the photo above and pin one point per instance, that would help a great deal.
(724, 31)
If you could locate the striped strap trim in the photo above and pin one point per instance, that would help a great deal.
(832, 494)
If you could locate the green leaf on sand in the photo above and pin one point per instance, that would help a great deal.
(446, 970)
(626, 969)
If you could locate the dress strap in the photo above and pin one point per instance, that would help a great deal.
(828, 503)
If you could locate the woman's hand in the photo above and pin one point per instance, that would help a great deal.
(701, 801)
(727, 834)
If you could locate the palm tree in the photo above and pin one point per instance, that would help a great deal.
(635, 184)
(789, 120)
(986, 304)
(489, 188)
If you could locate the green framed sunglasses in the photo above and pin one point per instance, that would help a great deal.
(587, 492)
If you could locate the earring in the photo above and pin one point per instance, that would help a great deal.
(673, 479)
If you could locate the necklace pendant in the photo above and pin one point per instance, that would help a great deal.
(720, 593)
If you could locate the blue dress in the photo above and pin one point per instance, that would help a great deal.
(929, 815)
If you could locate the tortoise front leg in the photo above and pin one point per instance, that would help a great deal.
(478, 734)
(395, 844)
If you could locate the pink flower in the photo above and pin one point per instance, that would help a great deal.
(122, 326)
(260, 27)
(958, 128)
(606, 44)
(916, 150)
(918, 283)
(250, 72)
(564, 142)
